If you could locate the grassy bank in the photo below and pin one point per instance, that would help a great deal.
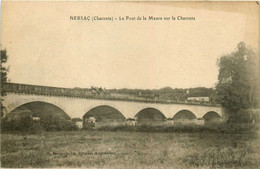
(213, 128)
(130, 150)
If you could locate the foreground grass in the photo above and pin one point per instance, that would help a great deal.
(130, 150)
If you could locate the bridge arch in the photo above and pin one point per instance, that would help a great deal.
(102, 116)
(150, 114)
(14, 102)
(40, 109)
(211, 115)
(104, 113)
(184, 114)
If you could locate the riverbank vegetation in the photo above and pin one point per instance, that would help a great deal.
(130, 150)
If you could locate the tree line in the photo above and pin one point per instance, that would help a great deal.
(168, 93)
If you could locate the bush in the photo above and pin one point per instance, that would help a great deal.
(216, 128)
(26, 124)
(58, 125)
(242, 116)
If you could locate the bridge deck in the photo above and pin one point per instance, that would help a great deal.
(82, 93)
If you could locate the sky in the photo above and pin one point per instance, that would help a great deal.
(46, 48)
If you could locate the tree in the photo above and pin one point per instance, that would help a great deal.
(4, 71)
(237, 80)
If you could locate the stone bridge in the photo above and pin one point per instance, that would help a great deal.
(77, 107)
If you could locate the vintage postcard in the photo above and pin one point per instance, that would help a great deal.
(108, 84)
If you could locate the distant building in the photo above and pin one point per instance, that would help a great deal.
(79, 124)
(36, 118)
(91, 120)
(198, 99)
(120, 95)
(130, 122)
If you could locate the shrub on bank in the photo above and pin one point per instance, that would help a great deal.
(27, 124)
(216, 128)
(58, 125)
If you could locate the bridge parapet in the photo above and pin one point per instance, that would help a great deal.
(79, 93)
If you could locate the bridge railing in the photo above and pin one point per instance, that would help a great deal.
(80, 93)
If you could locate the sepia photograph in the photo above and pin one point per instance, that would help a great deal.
(130, 84)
